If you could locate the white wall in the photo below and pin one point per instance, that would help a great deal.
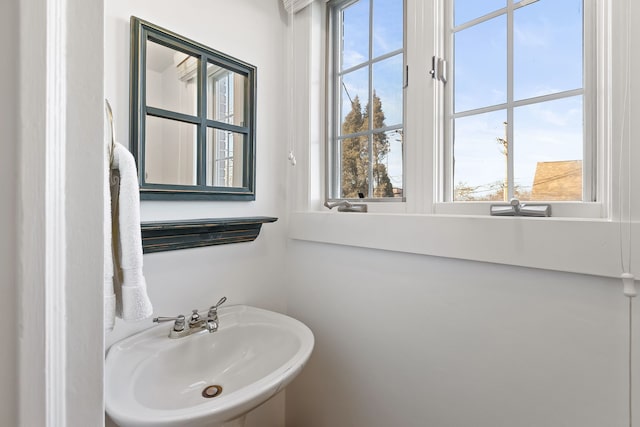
(415, 340)
(84, 161)
(401, 339)
(411, 340)
(8, 221)
(55, 146)
(247, 273)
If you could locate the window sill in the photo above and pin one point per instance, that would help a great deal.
(585, 246)
(567, 210)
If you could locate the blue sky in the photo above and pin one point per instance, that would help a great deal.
(547, 59)
(387, 74)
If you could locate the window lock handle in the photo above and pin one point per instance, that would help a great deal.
(438, 69)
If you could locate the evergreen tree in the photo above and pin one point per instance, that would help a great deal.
(355, 159)
(355, 152)
(382, 186)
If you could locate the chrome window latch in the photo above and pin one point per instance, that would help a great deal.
(346, 206)
(438, 69)
(515, 208)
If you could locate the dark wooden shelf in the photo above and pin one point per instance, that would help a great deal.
(159, 236)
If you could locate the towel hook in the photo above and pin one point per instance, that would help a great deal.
(113, 141)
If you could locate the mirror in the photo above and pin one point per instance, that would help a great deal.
(192, 118)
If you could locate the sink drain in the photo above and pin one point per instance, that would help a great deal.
(211, 391)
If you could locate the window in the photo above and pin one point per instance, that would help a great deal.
(512, 111)
(517, 102)
(430, 222)
(366, 148)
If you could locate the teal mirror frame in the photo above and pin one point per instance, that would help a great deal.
(141, 31)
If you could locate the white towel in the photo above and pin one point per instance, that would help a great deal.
(132, 302)
(109, 295)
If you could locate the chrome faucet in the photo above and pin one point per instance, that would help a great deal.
(197, 323)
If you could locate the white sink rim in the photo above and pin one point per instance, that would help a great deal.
(125, 409)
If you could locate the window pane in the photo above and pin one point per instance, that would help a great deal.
(369, 100)
(480, 74)
(387, 26)
(226, 95)
(548, 149)
(170, 152)
(354, 98)
(355, 34)
(354, 167)
(466, 10)
(387, 90)
(171, 79)
(224, 158)
(479, 157)
(547, 47)
(387, 168)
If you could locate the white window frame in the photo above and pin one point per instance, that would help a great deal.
(594, 113)
(332, 166)
(427, 192)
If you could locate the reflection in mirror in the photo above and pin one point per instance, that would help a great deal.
(227, 91)
(226, 104)
(171, 79)
(170, 152)
(192, 118)
(224, 147)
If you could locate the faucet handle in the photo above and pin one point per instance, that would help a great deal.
(178, 326)
(167, 319)
(213, 310)
(194, 318)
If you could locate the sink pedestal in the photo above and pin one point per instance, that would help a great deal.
(238, 422)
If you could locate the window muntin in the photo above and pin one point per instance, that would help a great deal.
(518, 77)
(466, 10)
(366, 148)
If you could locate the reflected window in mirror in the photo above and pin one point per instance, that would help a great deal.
(192, 118)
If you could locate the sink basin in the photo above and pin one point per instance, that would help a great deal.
(152, 380)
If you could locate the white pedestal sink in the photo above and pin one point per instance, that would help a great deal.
(154, 381)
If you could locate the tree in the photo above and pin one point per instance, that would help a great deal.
(493, 192)
(464, 192)
(355, 159)
(383, 186)
(355, 152)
